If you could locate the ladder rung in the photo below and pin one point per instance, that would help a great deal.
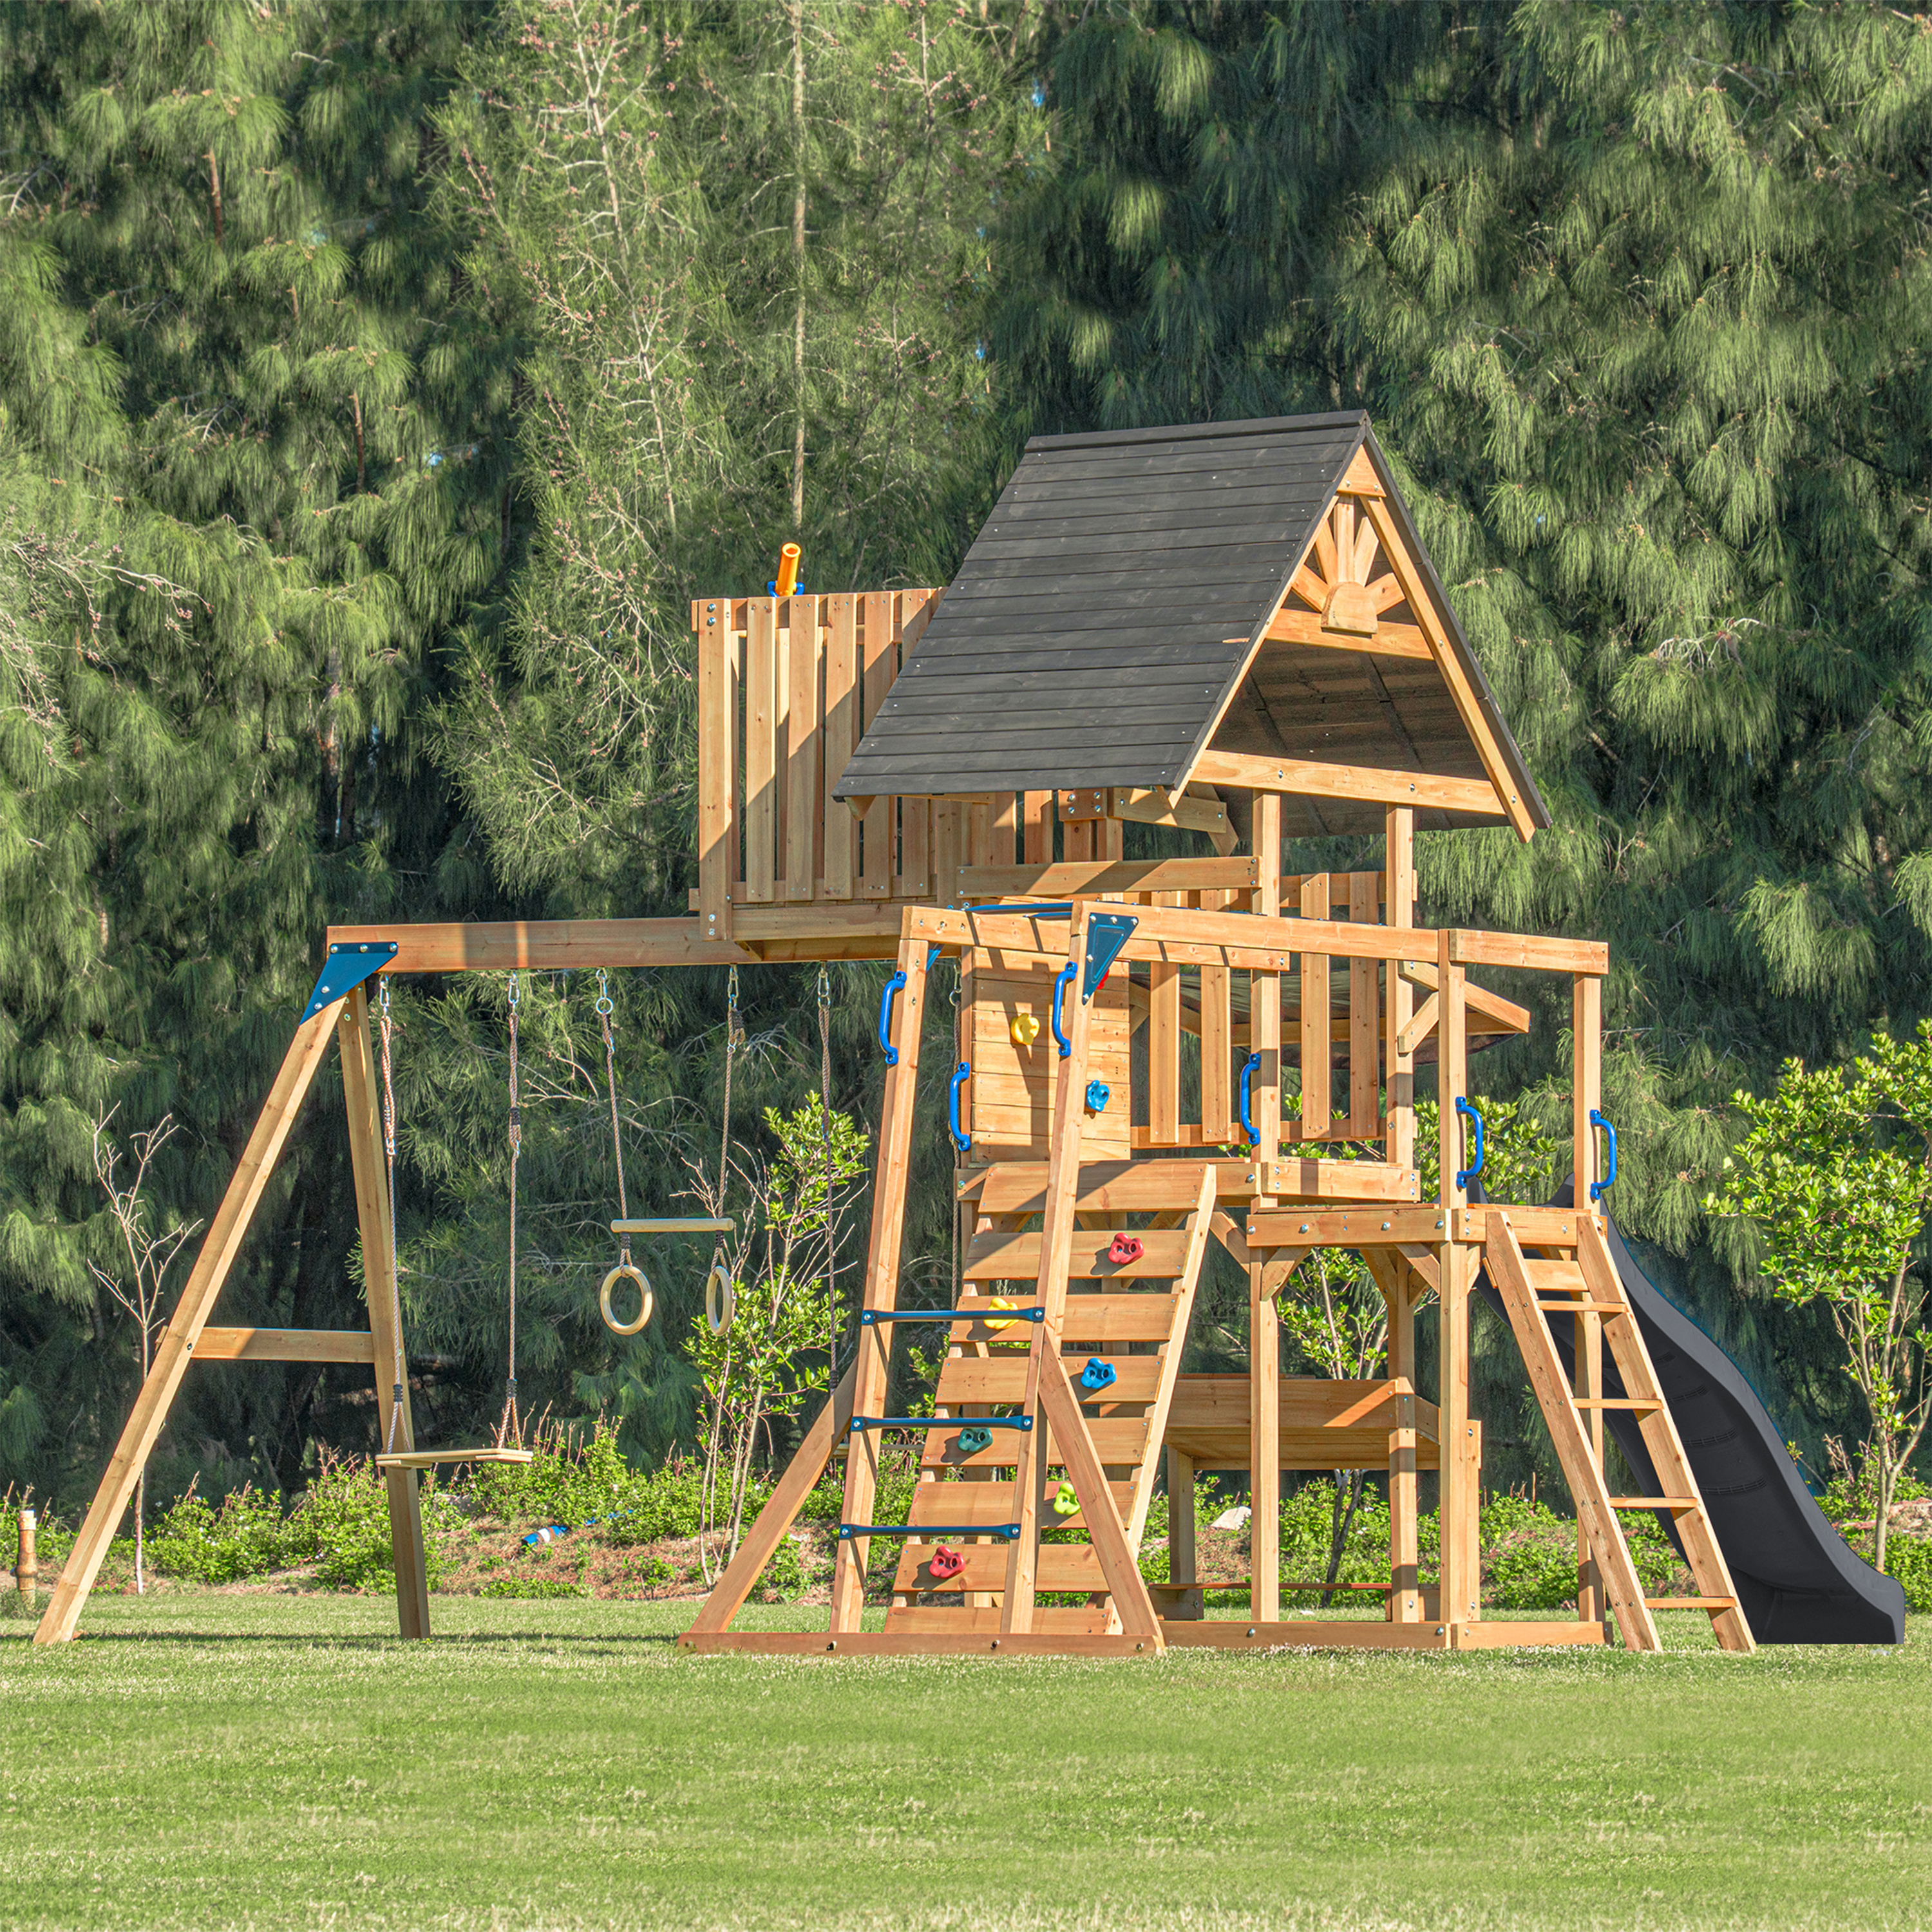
(1612, 1401)
(1690, 1603)
(1655, 1502)
(927, 1532)
(860, 1424)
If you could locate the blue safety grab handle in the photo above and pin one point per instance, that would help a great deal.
(1248, 1097)
(1596, 1187)
(963, 1142)
(893, 985)
(1464, 1175)
(1067, 973)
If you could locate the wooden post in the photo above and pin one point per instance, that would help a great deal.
(882, 1275)
(225, 1234)
(1263, 1328)
(374, 1209)
(1586, 1062)
(1399, 839)
(1455, 1272)
(1317, 1043)
(1405, 1560)
(1183, 1563)
(26, 1562)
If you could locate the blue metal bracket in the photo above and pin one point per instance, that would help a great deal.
(348, 963)
(860, 1424)
(1464, 1175)
(1596, 1187)
(1107, 932)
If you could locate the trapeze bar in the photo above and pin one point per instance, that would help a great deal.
(691, 1225)
(860, 1424)
(868, 1316)
(850, 1531)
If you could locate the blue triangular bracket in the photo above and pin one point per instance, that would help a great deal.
(1107, 932)
(348, 963)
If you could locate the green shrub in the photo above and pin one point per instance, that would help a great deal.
(1909, 1559)
(246, 1537)
(785, 1574)
(342, 1526)
(535, 1588)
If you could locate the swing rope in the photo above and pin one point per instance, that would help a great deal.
(606, 1007)
(510, 1428)
(389, 1156)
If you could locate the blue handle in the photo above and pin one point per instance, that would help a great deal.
(1248, 1097)
(1067, 973)
(893, 985)
(1596, 1187)
(964, 1142)
(1464, 1175)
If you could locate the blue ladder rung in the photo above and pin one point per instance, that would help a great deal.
(862, 1423)
(848, 1531)
(868, 1316)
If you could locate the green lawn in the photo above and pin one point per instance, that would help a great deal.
(212, 1760)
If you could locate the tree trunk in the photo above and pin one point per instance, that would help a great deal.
(797, 11)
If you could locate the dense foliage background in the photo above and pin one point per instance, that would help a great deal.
(380, 379)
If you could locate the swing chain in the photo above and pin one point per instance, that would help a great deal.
(606, 1007)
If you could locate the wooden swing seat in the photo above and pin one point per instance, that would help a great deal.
(428, 1458)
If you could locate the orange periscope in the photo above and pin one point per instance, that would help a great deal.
(787, 579)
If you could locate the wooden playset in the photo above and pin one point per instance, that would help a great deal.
(1231, 630)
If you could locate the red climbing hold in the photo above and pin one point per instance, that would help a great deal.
(946, 1562)
(1125, 1249)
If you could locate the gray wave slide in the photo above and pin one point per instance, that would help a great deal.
(1797, 1581)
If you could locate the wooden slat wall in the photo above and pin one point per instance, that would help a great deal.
(787, 687)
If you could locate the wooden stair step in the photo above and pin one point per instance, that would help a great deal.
(1118, 1439)
(1586, 1307)
(1655, 1502)
(1058, 1566)
(1548, 1277)
(1691, 1602)
(1002, 1257)
(992, 1502)
(988, 1378)
(1096, 1318)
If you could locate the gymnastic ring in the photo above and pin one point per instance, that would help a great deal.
(720, 1298)
(624, 1271)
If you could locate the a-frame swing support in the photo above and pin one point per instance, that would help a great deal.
(345, 1016)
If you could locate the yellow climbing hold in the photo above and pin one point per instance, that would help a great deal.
(1024, 1030)
(1000, 1301)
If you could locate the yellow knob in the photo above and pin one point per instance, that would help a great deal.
(1024, 1030)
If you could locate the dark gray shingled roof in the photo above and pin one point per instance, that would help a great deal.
(1116, 594)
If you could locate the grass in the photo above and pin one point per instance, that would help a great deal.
(213, 1760)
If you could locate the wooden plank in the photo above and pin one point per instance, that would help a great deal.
(1588, 1490)
(1118, 1440)
(1002, 1378)
(804, 782)
(761, 738)
(226, 1233)
(1037, 818)
(1542, 956)
(1586, 1078)
(1005, 1257)
(1264, 1322)
(1097, 879)
(953, 1620)
(1111, 1320)
(285, 1345)
(881, 1284)
(1303, 777)
(717, 775)
(1524, 1634)
(1390, 640)
(1164, 1055)
(1183, 1563)
(1217, 1046)
(992, 1503)
(557, 945)
(1305, 1633)
(1059, 1566)
(1198, 1226)
(879, 827)
(840, 829)
(1364, 1022)
(920, 860)
(1317, 1044)
(911, 1643)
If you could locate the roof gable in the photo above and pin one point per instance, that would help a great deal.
(1144, 607)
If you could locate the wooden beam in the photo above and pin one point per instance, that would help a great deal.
(285, 1345)
(1388, 641)
(1141, 806)
(558, 944)
(1302, 777)
(1541, 955)
(1095, 879)
(225, 1234)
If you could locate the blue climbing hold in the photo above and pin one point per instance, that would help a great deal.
(1097, 1095)
(972, 1441)
(1097, 1374)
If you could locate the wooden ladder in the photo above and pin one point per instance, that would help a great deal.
(1131, 1316)
(1588, 1288)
